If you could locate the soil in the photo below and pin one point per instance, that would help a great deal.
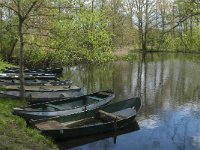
(122, 51)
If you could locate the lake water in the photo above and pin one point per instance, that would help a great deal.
(169, 85)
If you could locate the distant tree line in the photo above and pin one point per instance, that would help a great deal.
(58, 32)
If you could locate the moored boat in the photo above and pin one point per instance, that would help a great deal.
(69, 143)
(36, 82)
(8, 76)
(26, 82)
(108, 118)
(40, 88)
(45, 96)
(26, 70)
(65, 107)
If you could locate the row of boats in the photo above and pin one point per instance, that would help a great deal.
(40, 85)
(79, 115)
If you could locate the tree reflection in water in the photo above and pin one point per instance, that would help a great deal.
(169, 85)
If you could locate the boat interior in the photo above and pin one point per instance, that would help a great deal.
(88, 100)
(99, 118)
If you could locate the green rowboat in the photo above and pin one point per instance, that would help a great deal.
(108, 118)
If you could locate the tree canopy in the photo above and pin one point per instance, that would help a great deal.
(59, 32)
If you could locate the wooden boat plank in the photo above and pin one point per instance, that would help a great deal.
(41, 88)
(52, 124)
(125, 112)
(109, 115)
(77, 123)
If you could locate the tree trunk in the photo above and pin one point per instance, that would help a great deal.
(21, 59)
(22, 18)
(21, 54)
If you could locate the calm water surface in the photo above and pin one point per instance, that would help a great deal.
(169, 85)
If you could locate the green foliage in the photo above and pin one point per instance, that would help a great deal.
(36, 58)
(7, 38)
(80, 38)
(194, 41)
(59, 32)
(84, 39)
(4, 64)
(184, 43)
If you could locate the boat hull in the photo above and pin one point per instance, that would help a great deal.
(82, 103)
(84, 131)
(45, 96)
(127, 109)
(36, 82)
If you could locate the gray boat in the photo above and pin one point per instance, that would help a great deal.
(65, 107)
(35, 82)
(9, 76)
(45, 96)
(40, 88)
(104, 119)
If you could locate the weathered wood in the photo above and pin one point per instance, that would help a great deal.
(79, 122)
(41, 88)
(108, 115)
(52, 124)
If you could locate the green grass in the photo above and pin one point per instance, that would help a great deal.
(14, 133)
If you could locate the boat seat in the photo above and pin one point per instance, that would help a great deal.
(126, 112)
(95, 98)
(78, 123)
(66, 87)
(64, 95)
(54, 106)
(106, 116)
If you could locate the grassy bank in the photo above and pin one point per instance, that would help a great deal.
(14, 133)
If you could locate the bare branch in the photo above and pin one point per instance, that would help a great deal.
(8, 7)
(29, 10)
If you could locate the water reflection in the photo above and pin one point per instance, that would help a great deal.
(170, 89)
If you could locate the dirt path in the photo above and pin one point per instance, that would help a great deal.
(122, 51)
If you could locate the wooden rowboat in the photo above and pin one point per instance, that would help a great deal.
(41, 88)
(65, 107)
(69, 143)
(36, 82)
(108, 118)
(45, 96)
